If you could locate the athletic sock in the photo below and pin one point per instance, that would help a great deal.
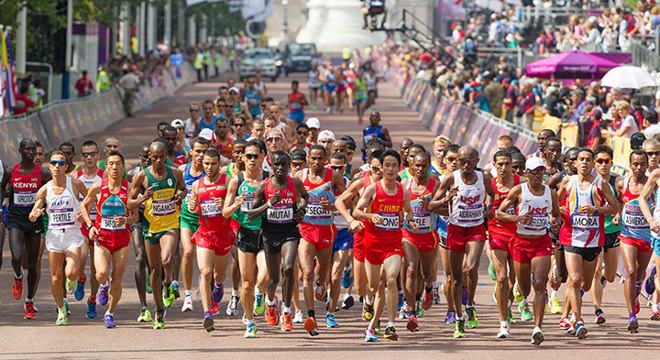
(656, 307)
(598, 311)
(369, 301)
(390, 324)
(18, 277)
(469, 306)
(504, 323)
(28, 301)
(144, 308)
(92, 298)
(109, 313)
(215, 284)
(638, 285)
(60, 309)
(287, 310)
(174, 282)
(251, 321)
(311, 314)
(256, 291)
(269, 302)
(82, 279)
(631, 315)
(106, 284)
(429, 289)
(187, 293)
(346, 295)
(235, 292)
(328, 313)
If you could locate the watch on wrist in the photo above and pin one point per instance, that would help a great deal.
(89, 226)
(595, 209)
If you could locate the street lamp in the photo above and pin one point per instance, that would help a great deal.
(285, 26)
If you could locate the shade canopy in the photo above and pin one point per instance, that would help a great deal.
(571, 65)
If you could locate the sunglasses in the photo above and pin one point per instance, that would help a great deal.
(277, 138)
(376, 168)
(465, 161)
(652, 153)
(302, 133)
(194, 110)
(337, 167)
(91, 153)
(297, 164)
(537, 171)
(226, 106)
(451, 158)
(58, 162)
(238, 125)
(250, 156)
(603, 161)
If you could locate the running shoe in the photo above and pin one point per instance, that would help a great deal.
(564, 323)
(320, 293)
(187, 304)
(451, 317)
(633, 325)
(428, 301)
(537, 336)
(637, 306)
(168, 295)
(655, 315)
(650, 282)
(311, 327)
(70, 286)
(17, 288)
(109, 321)
(313, 107)
(436, 293)
(509, 316)
(145, 315)
(370, 335)
(29, 311)
(580, 330)
(390, 333)
(298, 318)
(91, 310)
(148, 288)
(367, 311)
(516, 293)
(207, 323)
(159, 321)
(271, 313)
(330, 321)
(79, 294)
(420, 311)
(525, 314)
(250, 331)
(215, 309)
(555, 308)
(218, 292)
(377, 328)
(412, 323)
(61, 318)
(103, 295)
(472, 320)
(348, 303)
(504, 332)
(491, 271)
(600, 317)
(259, 304)
(464, 295)
(403, 311)
(68, 310)
(400, 303)
(232, 307)
(287, 322)
(175, 289)
(347, 279)
(459, 332)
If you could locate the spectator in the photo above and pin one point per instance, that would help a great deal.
(84, 85)
(651, 123)
(510, 99)
(494, 92)
(628, 125)
(24, 105)
(525, 105)
(551, 102)
(129, 82)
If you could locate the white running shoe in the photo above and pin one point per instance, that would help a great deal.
(298, 319)
(187, 304)
(504, 332)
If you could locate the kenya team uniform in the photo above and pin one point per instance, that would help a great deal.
(22, 196)
(278, 226)
(317, 227)
(466, 213)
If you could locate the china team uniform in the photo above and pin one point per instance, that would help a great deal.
(359, 250)
(382, 241)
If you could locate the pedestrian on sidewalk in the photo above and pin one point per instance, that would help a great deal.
(129, 82)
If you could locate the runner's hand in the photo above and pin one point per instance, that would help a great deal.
(238, 201)
(414, 226)
(327, 205)
(616, 220)
(299, 214)
(525, 219)
(79, 218)
(274, 199)
(193, 203)
(93, 233)
(554, 226)
(148, 193)
(424, 203)
(355, 227)
(36, 214)
(219, 202)
(377, 219)
(653, 224)
(120, 220)
(177, 199)
(452, 194)
(587, 209)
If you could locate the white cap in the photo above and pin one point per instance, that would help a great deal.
(234, 89)
(313, 123)
(592, 19)
(327, 134)
(206, 134)
(177, 122)
(534, 163)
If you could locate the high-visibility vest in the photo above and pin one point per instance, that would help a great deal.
(103, 80)
(207, 57)
(198, 60)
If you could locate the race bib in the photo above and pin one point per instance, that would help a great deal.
(586, 222)
(246, 205)
(368, 137)
(209, 209)
(188, 193)
(423, 221)
(296, 105)
(635, 221)
(470, 213)
(539, 222)
(163, 207)
(315, 211)
(280, 214)
(390, 222)
(25, 198)
(108, 223)
(61, 217)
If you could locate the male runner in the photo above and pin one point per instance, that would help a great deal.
(112, 143)
(175, 157)
(24, 182)
(63, 238)
(404, 146)
(652, 148)
(69, 151)
(253, 98)
(374, 129)
(222, 140)
(163, 190)
(537, 205)
(302, 131)
(296, 101)
(208, 120)
(283, 201)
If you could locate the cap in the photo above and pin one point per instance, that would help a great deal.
(592, 19)
(534, 163)
(313, 123)
(234, 89)
(327, 134)
(177, 123)
(206, 134)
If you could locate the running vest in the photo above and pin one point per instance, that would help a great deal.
(339, 220)
(231, 170)
(295, 102)
(426, 221)
(656, 212)
(247, 192)
(313, 79)
(318, 192)
(467, 208)
(388, 235)
(189, 128)
(539, 207)
(224, 150)
(503, 229)
(111, 205)
(580, 229)
(210, 215)
(370, 132)
(435, 168)
(360, 88)
(443, 221)
(23, 192)
(88, 184)
(62, 208)
(306, 148)
(371, 81)
(74, 171)
(331, 83)
(203, 125)
(188, 179)
(279, 217)
(407, 174)
(609, 227)
(633, 222)
(252, 96)
(160, 210)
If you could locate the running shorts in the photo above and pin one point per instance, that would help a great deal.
(189, 221)
(248, 240)
(425, 242)
(61, 241)
(611, 241)
(272, 242)
(641, 245)
(321, 236)
(588, 254)
(378, 257)
(85, 234)
(29, 229)
(458, 237)
(523, 250)
(343, 241)
(113, 241)
(500, 243)
(220, 242)
(154, 238)
(358, 246)
(297, 115)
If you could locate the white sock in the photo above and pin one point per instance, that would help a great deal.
(175, 282)
(235, 292)
(328, 313)
(369, 301)
(61, 309)
(524, 301)
(251, 321)
(390, 324)
(346, 295)
(656, 307)
(27, 301)
(436, 284)
(106, 284)
(287, 310)
(109, 313)
(270, 302)
(469, 306)
(256, 291)
(504, 324)
(554, 293)
(508, 303)
(187, 293)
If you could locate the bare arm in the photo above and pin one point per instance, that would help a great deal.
(133, 199)
(88, 202)
(259, 196)
(511, 200)
(302, 199)
(38, 208)
(387, 140)
(181, 184)
(365, 200)
(647, 192)
(490, 196)
(232, 202)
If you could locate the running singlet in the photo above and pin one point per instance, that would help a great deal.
(231, 170)
(502, 229)
(252, 96)
(295, 102)
(388, 235)
(318, 192)
(23, 192)
(656, 212)
(435, 168)
(111, 205)
(189, 180)
(426, 221)
(370, 132)
(203, 125)
(224, 150)
(339, 220)
(580, 229)
(633, 222)
(467, 208)
(306, 148)
(247, 192)
(88, 184)
(279, 217)
(161, 210)
(313, 79)
(62, 208)
(539, 207)
(211, 218)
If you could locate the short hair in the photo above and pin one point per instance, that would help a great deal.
(38, 144)
(376, 154)
(652, 142)
(207, 101)
(651, 116)
(212, 152)
(280, 153)
(373, 141)
(256, 143)
(500, 153)
(392, 153)
(303, 126)
(318, 147)
(505, 138)
(417, 146)
(111, 137)
(199, 140)
(294, 82)
(168, 128)
(549, 131)
(553, 138)
(593, 155)
(257, 122)
(69, 144)
(424, 154)
(602, 149)
(441, 138)
(238, 142)
(90, 143)
(517, 156)
(338, 155)
(269, 117)
(638, 152)
(114, 153)
(279, 132)
(57, 152)
(451, 148)
(163, 124)
(513, 149)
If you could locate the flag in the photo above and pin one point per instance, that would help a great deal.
(10, 72)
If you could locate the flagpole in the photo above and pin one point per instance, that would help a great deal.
(67, 57)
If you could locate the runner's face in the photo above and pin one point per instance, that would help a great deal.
(451, 161)
(503, 166)
(211, 165)
(335, 165)
(157, 158)
(273, 141)
(236, 152)
(412, 152)
(111, 145)
(584, 163)
(317, 160)
(198, 151)
(404, 147)
(252, 162)
(258, 131)
(39, 155)
(194, 112)
(420, 167)
(603, 164)
(518, 167)
(552, 152)
(326, 143)
(438, 149)
(114, 166)
(28, 150)
(89, 155)
(571, 157)
(276, 111)
(339, 146)
(535, 177)
(390, 168)
(314, 132)
(239, 128)
(170, 137)
(297, 165)
(301, 135)
(376, 169)
(280, 165)
(543, 135)
(68, 152)
(467, 163)
(55, 168)
(653, 153)
(374, 119)
(229, 106)
(208, 111)
(144, 157)
(638, 165)
(270, 124)
(221, 128)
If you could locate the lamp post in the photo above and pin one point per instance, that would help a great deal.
(285, 25)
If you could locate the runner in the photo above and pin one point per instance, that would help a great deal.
(328, 78)
(24, 182)
(346, 146)
(314, 125)
(208, 120)
(112, 143)
(313, 85)
(253, 98)
(438, 166)
(110, 231)
(318, 232)
(283, 200)
(69, 151)
(582, 235)
(214, 237)
(170, 135)
(302, 131)
(374, 129)
(163, 190)
(63, 238)
(389, 205)
(239, 128)
(192, 123)
(360, 90)
(470, 196)
(223, 142)
(296, 102)
(652, 149)
(189, 221)
(540, 140)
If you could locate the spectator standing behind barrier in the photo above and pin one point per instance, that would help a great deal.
(199, 64)
(207, 63)
(651, 123)
(37, 93)
(84, 85)
(23, 103)
(103, 80)
(129, 82)
(510, 99)
(525, 105)
(627, 123)
(494, 92)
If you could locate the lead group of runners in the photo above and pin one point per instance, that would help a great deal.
(290, 208)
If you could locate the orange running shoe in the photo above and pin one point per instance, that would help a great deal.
(29, 311)
(17, 289)
(287, 322)
(310, 325)
(271, 313)
(215, 310)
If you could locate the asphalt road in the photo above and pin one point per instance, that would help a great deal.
(183, 336)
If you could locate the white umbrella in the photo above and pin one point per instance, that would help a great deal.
(627, 77)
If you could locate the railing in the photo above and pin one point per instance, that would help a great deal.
(553, 15)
